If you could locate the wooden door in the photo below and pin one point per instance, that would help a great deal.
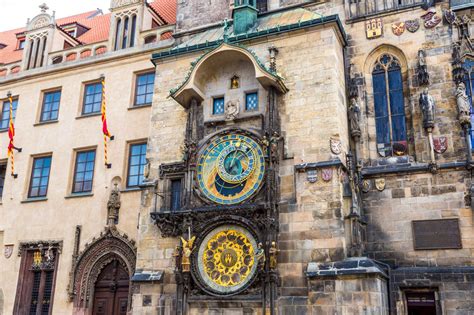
(111, 291)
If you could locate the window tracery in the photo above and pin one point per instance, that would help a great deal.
(389, 105)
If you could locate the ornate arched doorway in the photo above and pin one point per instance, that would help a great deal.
(101, 275)
(111, 290)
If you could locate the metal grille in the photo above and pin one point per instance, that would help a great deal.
(35, 292)
(361, 8)
(48, 287)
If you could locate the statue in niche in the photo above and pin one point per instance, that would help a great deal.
(273, 251)
(422, 70)
(113, 206)
(260, 256)
(187, 251)
(235, 82)
(462, 101)
(232, 109)
(354, 117)
(427, 105)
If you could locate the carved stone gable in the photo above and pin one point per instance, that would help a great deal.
(121, 3)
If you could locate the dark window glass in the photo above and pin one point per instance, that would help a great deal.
(262, 6)
(35, 290)
(251, 101)
(389, 106)
(125, 33)
(5, 119)
(175, 194)
(132, 35)
(136, 164)
(92, 98)
(421, 303)
(218, 106)
(50, 108)
(3, 172)
(40, 177)
(144, 89)
(84, 172)
(117, 35)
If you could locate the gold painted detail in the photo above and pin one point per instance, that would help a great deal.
(228, 258)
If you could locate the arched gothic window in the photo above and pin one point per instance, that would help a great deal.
(117, 34)
(132, 34)
(125, 33)
(389, 106)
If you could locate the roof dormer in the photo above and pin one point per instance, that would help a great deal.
(37, 45)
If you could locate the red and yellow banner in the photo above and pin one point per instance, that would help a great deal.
(105, 129)
(11, 136)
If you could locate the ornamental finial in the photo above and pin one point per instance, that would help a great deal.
(44, 8)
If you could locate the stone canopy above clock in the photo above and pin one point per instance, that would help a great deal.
(228, 76)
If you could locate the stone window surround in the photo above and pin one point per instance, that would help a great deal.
(370, 147)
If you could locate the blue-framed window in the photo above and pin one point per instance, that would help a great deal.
(144, 89)
(50, 109)
(468, 65)
(40, 177)
(251, 101)
(84, 172)
(5, 119)
(218, 106)
(92, 98)
(389, 106)
(136, 164)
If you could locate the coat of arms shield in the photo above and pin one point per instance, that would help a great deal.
(8, 251)
(336, 146)
(412, 25)
(440, 144)
(398, 28)
(326, 174)
(312, 176)
(380, 184)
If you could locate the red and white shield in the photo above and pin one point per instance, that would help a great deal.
(440, 144)
(326, 174)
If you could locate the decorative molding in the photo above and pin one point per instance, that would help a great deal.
(111, 245)
(122, 3)
(24, 246)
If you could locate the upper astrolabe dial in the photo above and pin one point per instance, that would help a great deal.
(230, 169)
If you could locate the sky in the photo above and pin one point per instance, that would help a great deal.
(16, 12)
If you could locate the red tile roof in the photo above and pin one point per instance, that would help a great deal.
(98, 25)
(166, 9)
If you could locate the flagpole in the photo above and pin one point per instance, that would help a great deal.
(105, 130)
(11, 136)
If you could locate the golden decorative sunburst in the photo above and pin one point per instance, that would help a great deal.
(228, 258)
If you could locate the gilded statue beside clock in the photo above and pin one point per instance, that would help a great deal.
(230, 169)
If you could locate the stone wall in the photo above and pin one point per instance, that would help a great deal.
(192, 14)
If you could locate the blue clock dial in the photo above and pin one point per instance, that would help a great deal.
(230, 169)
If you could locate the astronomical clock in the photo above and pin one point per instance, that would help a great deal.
(221, 199)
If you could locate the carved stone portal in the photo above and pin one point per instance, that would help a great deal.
(110, 246)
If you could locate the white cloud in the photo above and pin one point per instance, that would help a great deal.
(16, 12)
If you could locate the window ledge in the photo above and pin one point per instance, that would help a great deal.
(139, 106)
(3, 130)
(88, 115)
(41, 123)
(38, 199)
(79, 195)
(131, 189)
